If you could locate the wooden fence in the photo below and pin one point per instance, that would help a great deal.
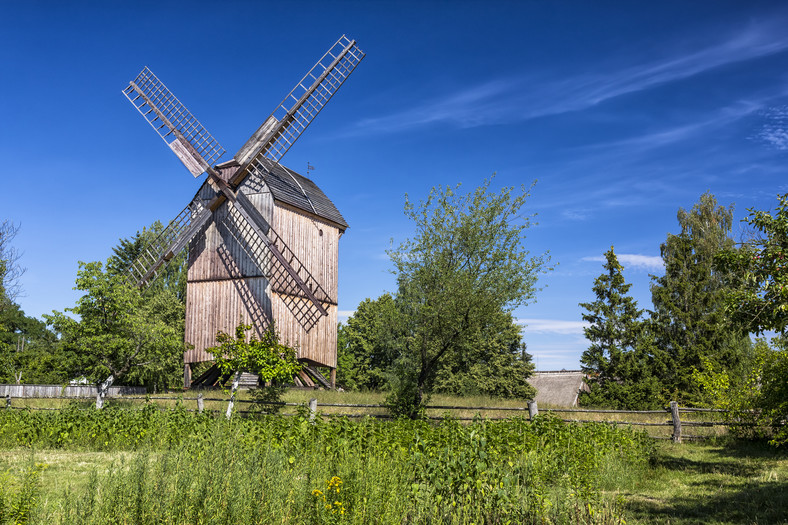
(675, 425)
(75, 391)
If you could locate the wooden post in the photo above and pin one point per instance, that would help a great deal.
(312, 409)
(200, 403)
(8, 400)
(333, 379)
(187, 375)
(533, 409)
(674, 413)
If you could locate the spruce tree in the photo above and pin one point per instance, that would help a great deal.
(616, 362)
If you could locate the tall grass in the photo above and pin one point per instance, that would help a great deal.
(191, 468)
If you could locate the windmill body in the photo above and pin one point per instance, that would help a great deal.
(262, 240)
(231, 278)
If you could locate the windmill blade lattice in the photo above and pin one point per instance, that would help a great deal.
(175, 124)
(175, 237)
(300, 107)
(262, 249)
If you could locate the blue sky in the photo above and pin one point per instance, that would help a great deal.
(623, 111)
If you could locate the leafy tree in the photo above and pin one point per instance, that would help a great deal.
(173, 277)
(119, 334)
(760, 303)
(495, 366)
(618, 361)
(10, 270)
(368, 345)
(458, 280)
(689, 320)
(272, 361)
(29, 353)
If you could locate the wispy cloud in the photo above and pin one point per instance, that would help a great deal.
(522, 98)
(552, 326)
(775, 131)
(645, 262)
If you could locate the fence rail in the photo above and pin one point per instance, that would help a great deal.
(377, 411)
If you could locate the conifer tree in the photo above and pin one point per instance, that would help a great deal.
(617, 360)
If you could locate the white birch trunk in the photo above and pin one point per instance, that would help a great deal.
(236, 380)
(101, 391)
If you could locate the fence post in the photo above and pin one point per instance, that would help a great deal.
(674, 414)
(533, 409)
(312, 409)
(200, 403)
(8, 400)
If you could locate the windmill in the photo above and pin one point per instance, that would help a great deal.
(261, 239)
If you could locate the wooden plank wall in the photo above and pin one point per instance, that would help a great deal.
(65, 391)
(226, 286)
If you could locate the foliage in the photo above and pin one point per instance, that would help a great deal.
(265, 357)
(194, 468)
(172, 278)
(29, 353)
(617, 362)
(689, 321)
(761, 302)
(10, 270)
(121, 333)
(18, 497)
(368, 345)
(458, 280)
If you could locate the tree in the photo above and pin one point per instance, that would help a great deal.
(29, 353)
(458, 280)
(617, 362)
(172, 278)
(368, 345)
(268, 358)
(689, 320)
(760, 303)
(10, 270)
(119, 334)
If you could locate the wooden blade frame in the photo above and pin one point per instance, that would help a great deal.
(175, 124)
(197, 149)
(298, 109)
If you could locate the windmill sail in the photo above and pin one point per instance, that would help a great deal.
(299, 108)
(175, 124)
(174, 238)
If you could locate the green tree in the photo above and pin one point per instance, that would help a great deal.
(119, 334)
(458, 280)
(689, 320)
(618, 361)
(29, 353)
(495, 365)
(368, 345)
(760, 304)
(172, 278)
(271, 360)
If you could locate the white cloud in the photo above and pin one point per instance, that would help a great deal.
(643, 262)
(521, 98)
(775, 131)
(552, 326)
(342, 315)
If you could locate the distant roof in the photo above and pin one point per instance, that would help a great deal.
(295, 190)
(559, 389)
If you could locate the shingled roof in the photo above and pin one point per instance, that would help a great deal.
(293, 189)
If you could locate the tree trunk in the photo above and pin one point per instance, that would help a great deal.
(236, 380)
(101, 391)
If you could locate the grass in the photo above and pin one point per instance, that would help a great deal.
(733, 481)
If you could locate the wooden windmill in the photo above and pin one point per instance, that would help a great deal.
(262, 240)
